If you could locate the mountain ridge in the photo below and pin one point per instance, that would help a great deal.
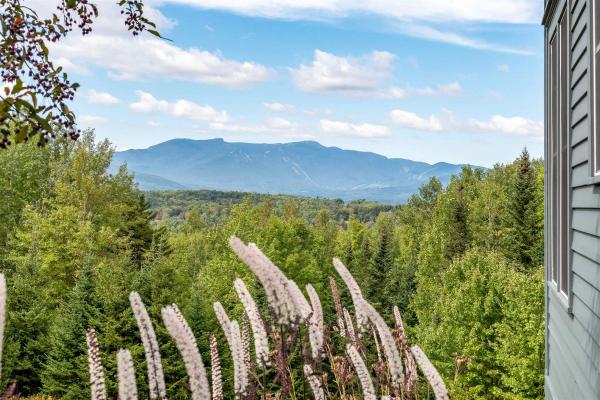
(301, 168)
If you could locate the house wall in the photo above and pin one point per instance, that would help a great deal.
(573, 323)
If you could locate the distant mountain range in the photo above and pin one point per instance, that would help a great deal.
(302, 168)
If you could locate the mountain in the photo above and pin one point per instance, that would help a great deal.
(300, 168)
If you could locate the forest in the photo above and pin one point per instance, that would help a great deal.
(463, 264)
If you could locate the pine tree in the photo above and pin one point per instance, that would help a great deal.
(521, 219)
(138, 228)
(66, 372)
(382, 264)
(458, 240)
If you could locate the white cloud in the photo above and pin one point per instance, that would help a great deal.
(504, 68)
(91, 120)
(101, 98)
(411, 120)
(504, 11)
(451, 89)
(281, 123)
(364, 76)
(329, 73)
(509, 125)
(153, 124)
(430, 33)
(354, 130)
(143, 58)
(279, 107)
(448, 122)
(277, 126)
(147, 103)
(136, 58)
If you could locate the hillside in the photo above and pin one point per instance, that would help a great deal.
(300, 168)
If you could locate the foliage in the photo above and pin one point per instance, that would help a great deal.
(213, 207)
(35, 91)
(469, 296)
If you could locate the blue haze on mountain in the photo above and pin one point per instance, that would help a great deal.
(302, 168)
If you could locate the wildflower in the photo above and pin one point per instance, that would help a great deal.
(246, 341)
(95, 367)
(261, 342)
(387, 341)
(316, 323)
(350, 327)
(315, 383)
(362, 372)
(355, 292)
(224, 320)
(400, 326)
(411, 378)
(186, 344)
(270, 277)
(431, 374)
(215, 368)
(301, 308)
(239, 367)
(399, 323)
(126, 374)
(338, 306)
(156, 379)
(2, 313)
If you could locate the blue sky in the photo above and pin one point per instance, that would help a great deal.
(447, 81)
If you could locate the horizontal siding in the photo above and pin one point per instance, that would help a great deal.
(579, 69)
(565, 371)
(585, 244)
(587, 221)
(576, 7)
(580, 131)
(580, 110)
(580, 175)
(580, 153)
(579, 92)
(586, 197)
(573, 338)
(587, 270)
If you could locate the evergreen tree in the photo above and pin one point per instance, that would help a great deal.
(521, 219)
(382, 265)
(458, 237)
(138, 228)
(66, 371)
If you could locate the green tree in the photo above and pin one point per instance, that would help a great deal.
(382, 265)
(65, 374)
(35, 105)
(523, 226)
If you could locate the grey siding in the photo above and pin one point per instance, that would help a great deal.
(573, 324)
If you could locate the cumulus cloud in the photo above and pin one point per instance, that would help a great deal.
(354, 130)
(277, 126)
(136, 58)
(91, 120)
(158, 59)
(515, 125)
(279, 107)
(329, 73)
(411, 120)
(509, 125)
(503, 11)
(280, 127)
(101, 98)
(147, 103)
(364, 76)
